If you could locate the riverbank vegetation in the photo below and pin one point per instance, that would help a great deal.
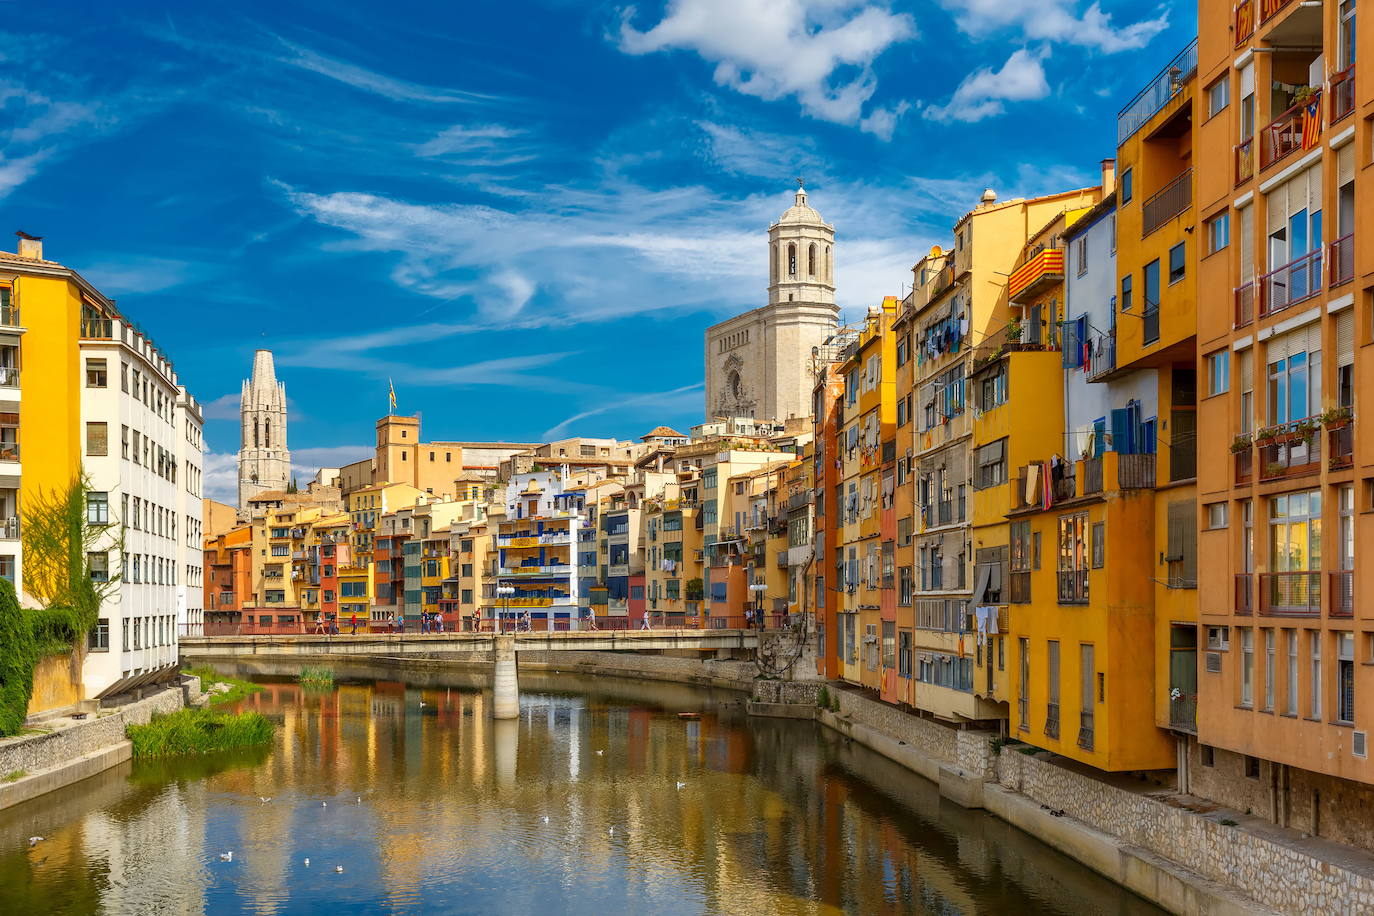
(316, 677)
(59, 545)
(199, 731)
(221, 688)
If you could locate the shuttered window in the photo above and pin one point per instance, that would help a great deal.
(1181, 551)
(1345, 338)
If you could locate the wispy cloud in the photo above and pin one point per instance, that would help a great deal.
(129, 273)
(983, 92)
(220, 476)
(649, 406)
(742, 151)
(1056, 21)
(771, 49)
(373, 81)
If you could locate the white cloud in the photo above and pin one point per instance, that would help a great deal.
(981, 94)
(653, 405)
(132, 273)
(220, 476)
(772, 49)
(361, 78)
(1055, 20)
(760, 154)
(461, 138)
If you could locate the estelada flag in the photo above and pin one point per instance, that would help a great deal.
(1311, 124)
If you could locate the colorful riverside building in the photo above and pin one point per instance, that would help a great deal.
(536, 542)
(1283, 141)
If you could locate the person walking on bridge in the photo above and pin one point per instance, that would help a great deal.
(355, 624)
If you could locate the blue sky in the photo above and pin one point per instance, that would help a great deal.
(524, 213)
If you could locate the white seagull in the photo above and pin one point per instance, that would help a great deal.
(546, 818)
(227, 856)
(682, 785)
(307, 862)
(264, 800)
(599, 753)
(339, 869)
(35, 840)
(611, 831)
(324, 804)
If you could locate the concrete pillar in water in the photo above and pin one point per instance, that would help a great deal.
(505, 687)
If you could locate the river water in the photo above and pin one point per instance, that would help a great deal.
(430, 806)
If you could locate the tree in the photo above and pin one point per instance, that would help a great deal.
(17, 657)
(59, 543)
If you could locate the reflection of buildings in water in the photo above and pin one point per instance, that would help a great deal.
(505, 748)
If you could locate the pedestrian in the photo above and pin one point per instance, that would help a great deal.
(319, 624)
(355, 624)
(439, 623)
(401, 623)
(333, 625)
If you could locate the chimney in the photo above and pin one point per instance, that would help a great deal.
(1108, 176)
(30, 246)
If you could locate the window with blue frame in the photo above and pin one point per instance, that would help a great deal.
(1130, 434)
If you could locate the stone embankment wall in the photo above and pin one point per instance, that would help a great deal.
(73, 750)
(735, 673)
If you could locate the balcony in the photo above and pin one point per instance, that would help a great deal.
(1245, 466)
(93, 328)
(1149, 323)
(1340, 446)
(1183, 710)
(9, 313)
(1051, 720)
(1073, 586)
(1289, 450)
(1166, 203)
(1064, 488)
(1135, 472)
(1245, 161)
(1342, 258)
(1245, 594)
(9, 376)
(1159, 92)
(1245, 305)
(1342, 593)
(1085, 730)
(1041, 271)
(1297, 281)
(1102, 356)
(1285, 134)
(1342, 93)
(1290, 594)
(1092, 476)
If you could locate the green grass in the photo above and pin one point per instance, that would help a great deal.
(237, 689)
(199, 731)
(13, 776)
(316, 677)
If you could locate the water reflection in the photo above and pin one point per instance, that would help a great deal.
(431, 806)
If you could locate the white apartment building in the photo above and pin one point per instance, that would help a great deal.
(11, 332)
(141, 449)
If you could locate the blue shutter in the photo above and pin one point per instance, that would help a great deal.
(1072, 352)
(1122, 431)
(1147, 437)
(1099, 436)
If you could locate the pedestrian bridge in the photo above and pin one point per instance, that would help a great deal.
(393, 644)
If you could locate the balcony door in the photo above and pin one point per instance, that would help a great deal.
(1295, 553)
(1295, 239)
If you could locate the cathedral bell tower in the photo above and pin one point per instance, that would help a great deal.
(800, 248)
(264, 462)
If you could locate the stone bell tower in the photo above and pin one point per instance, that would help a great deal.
(264, 461)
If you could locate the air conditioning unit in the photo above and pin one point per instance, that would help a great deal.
(1359, 744)
(1214, 662)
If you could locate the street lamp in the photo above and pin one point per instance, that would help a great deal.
(504, 592)
(758, 588)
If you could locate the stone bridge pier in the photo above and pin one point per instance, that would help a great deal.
(505, 683)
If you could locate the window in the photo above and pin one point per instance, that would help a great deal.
(1219, 638)
(97, 508)
(1127, 186)
(1178, 267)
(1247, 666)
(1127, 292)
(99, 638)
(1314, 646)
(1099, 544)
(98, 562)
(1181, 543)
(1216, 515)
(889, 644)
(1150, 282)
(1052, 685)
(1291, 706)
(97, 439)
(1073, 559)
(1294, 380)
(904, 654)
(1269, 659)
(1345, 677)
(1020, 562)
(991, 464)
(96, 376)
(992, 388)
(1218, 372)
(1218, 232)
(1218, 96)
(1023, 698)
(1080, 254)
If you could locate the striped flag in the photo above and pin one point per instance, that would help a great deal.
(1312, 124)
(392, 391)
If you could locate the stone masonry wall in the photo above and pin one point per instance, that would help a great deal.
(929, 738)
(67, 742)
(1271, 871)
(792, 692)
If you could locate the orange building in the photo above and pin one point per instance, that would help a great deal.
(1282, 158)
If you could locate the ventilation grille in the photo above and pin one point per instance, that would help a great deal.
(1359, 745)
(1214, 662)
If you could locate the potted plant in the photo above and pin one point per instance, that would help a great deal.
(1337, 417)
(1266, 434)
(1306, 429)
(1273, 469)
(1242, 443)
(1305, 94)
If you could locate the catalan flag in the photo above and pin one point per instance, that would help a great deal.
(392, 391)
(1312, 124)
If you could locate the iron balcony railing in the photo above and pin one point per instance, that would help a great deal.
(1157, 93)
(1051, 720)
(1297, 281)
(1166, 203)
(97, 328)
(1020, 586)
(1245, 594)
(1183, 709)
(1342, 93)
(1284, 135)
(1342, 592)
(1245, 466)
(1290, 594)
(1290, 450)
(1343, 259)
(1073, 586)
(1149, 322)
(1103, 354)
(1340, 446)
(1085, 730)
(1245, 304)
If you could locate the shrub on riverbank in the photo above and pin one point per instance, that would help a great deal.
(199, 731)
(316, 677)
(221, 687)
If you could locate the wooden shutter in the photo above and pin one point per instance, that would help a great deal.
(1181, 551)
(1247, 244)
(1245, 369)
(1313, 194)
(1345, 338)
(1345, 165)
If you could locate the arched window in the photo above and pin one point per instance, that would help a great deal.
(811, 261)
(791, 259)
(255, 434)
(267, 434)
(773, 262)
(828, 277)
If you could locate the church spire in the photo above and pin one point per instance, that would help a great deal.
(264, 461)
